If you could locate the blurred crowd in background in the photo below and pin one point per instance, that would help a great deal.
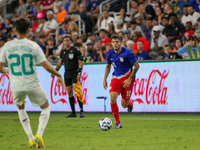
(152, 30)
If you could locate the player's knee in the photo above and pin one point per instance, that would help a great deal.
(113, 100)
(21, 106)
(70, 94)
(45, 105)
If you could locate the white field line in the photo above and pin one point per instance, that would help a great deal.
(8, 118)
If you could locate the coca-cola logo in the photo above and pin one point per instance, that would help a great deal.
(154, 93)
(5, 91)
(58, 94)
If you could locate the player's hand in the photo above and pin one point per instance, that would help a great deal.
(105, 84)
(60, 80)
(78, 77)
(127, 82)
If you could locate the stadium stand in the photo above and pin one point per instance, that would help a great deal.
(146, 20)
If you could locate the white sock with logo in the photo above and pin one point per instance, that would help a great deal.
(24, 119)
(43, 120)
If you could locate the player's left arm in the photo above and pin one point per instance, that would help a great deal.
(127, 82)
(135, 69)
(2, 69)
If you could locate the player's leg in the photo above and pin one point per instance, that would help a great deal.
(69, 87)
(115, 90)
(74, 82)
(115, 109)
(38, 97)
(126, 95)
(43, 121)
(25, 121)
(20, 99)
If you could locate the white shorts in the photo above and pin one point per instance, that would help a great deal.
(37, 97)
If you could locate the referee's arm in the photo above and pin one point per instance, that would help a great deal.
(80, 63)
(59, 64)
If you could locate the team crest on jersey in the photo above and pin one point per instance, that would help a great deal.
(71, 56)
(121, 59)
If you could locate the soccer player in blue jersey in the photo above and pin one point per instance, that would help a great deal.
(123, 78)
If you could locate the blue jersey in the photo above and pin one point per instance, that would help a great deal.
(122, 62)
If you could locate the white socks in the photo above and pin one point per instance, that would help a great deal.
(43, 120)
(24, 119)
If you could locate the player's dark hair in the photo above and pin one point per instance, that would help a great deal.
(141, 42)
(22, 25)
(116, 36)
(67, 37)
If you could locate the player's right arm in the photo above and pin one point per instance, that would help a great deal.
(2, 69)
(51, 70)
(3, 61)
(59, 64)
(41, 59)
(107, 71)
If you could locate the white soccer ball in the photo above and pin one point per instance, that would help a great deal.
(105, 124)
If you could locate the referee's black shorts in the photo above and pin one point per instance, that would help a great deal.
(70, 77)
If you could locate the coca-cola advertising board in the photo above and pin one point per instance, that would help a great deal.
(159, 87)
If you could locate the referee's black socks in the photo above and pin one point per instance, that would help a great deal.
(80, 104)
(72, 101)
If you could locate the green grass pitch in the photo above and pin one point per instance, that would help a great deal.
(140, 132)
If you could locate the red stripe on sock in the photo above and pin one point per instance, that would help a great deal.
(115, 111)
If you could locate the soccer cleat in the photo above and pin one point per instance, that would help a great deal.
(130, 108)
(32, 144)
(39, 141)
(118, 125)
(82, 114)
(71, 116)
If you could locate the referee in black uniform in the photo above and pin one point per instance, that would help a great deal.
(73, 61)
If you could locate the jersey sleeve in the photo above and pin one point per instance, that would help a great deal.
(3, 55)
(108, 57)
(78, 54)
(39, 55)
(130, 56)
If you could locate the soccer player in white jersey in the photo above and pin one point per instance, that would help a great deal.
(22, 55)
